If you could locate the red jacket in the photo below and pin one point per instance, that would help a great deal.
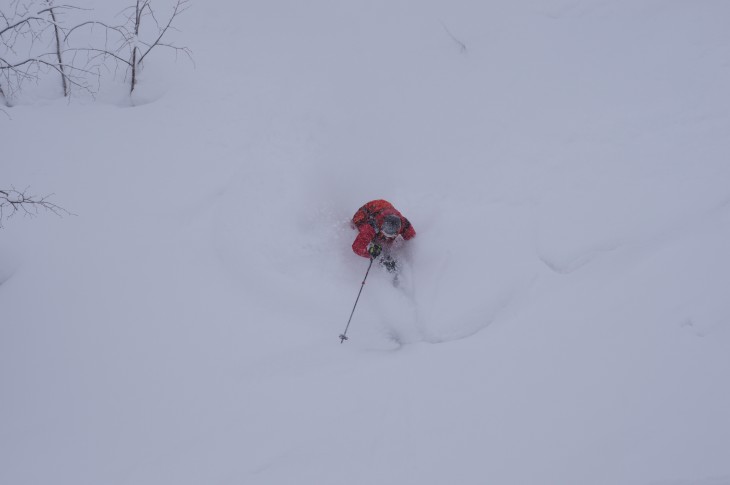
(369, 219)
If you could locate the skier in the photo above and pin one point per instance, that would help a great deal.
(379, 224)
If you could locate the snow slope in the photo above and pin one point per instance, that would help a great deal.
(564, 318)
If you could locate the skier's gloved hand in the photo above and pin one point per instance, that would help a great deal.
(374, 251)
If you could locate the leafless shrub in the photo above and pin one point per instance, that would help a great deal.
(129, 44)
(36, 27)
(34, 40)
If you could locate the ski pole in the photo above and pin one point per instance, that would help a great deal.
(343, 336)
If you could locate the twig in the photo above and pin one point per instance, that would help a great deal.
(462, 46)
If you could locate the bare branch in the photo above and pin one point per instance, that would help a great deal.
(65, 7)
(13, 201)
(180, 7)
(101, 52)
(118, 29)
(19, 23)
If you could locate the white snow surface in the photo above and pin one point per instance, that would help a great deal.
(564, 316)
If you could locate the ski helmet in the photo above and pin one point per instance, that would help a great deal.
(391, 225)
